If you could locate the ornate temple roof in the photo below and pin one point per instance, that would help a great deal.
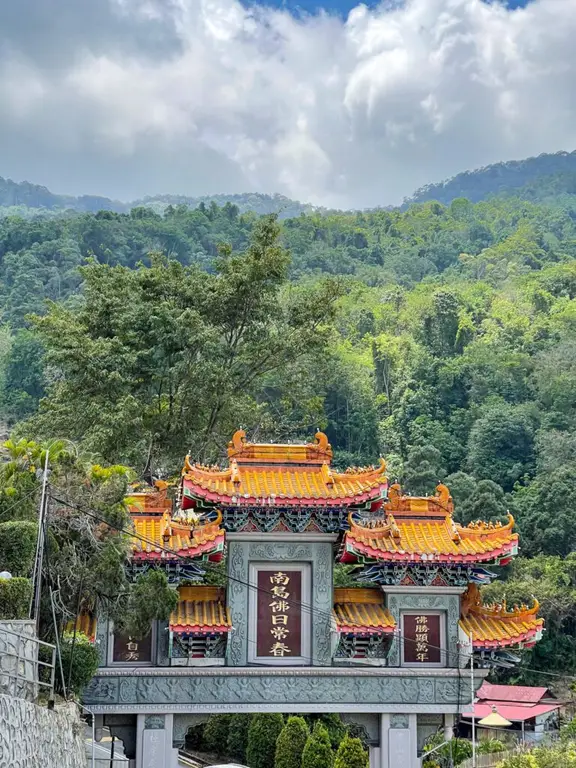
(283, 474)
(422, 529)
(149, 500)
(85, 623)
(361, 611)
(201, 610)
(157, 533)
(494, 626)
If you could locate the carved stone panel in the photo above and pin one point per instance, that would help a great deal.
(242, 553)
(155, 722)
(102, 639)
(255, 692)
(406, 602)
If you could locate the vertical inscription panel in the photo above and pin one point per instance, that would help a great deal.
(153, 749)
(423, 639)
(279, 621)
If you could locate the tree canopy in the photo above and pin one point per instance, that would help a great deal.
(441, 336)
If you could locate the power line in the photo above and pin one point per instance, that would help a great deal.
(19, 502)
(304, 606)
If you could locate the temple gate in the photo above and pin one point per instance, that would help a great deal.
(389, 654)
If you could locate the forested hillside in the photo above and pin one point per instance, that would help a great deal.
(27, 200)
(539, 179)
(442, 337)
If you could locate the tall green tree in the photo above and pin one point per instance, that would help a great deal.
(423, 470)
(165, 359)
(263, 733)
(86, 542)
(238, 736)
(291, 742)
(216, 734)
(501, 445)
(318, 751)
(351, 754)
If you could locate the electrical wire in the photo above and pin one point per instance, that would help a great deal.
(19, 502)
(305, 607)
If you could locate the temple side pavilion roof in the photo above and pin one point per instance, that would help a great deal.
(422, 530)
(159, 537)
(280, 474)
(201, 610)
(495, 626)
(361, 611)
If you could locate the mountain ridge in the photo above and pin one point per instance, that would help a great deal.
(549, 177)
(15, 194)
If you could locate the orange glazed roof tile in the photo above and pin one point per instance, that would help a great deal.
(157, 533)
(361, 611)
(201, 610)
(281, 474)
(422, 529)
(150, 501)
(85, 623)
(494, 626)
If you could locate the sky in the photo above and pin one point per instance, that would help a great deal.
(352, 106)
(340, 7)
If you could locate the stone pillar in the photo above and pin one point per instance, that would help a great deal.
(374, 753)
(154, 742)
(448, 727)
(398, 741)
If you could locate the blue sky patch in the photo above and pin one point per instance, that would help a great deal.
(341, 7)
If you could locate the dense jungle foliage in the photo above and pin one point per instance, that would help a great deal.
(441, 336)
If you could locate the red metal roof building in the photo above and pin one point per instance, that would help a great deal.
(531, 710)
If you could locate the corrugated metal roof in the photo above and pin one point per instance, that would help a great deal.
(515, 713)
(516, 694)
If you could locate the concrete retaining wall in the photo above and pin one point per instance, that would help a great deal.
(35, 737)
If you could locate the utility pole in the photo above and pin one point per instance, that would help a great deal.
(40, 546)
(472, 697)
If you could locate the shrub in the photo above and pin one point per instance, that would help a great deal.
(335, 727)
(238, 737)
(262, 735)
(318, 752)
(80, 660)
(194, 736)
(563, 756)
(519, 761)
(15, 598)
(291, 742)
(450, 753)
(490, 747)
(568, 731)
(351, 754)
(216, 734)
(18, 547)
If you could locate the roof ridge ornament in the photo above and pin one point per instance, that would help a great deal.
(322, 442)
(238, 441)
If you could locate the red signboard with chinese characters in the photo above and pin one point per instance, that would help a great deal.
(422, 639)
(279, 632)
(131, 649)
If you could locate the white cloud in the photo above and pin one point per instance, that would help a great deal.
(201, 96)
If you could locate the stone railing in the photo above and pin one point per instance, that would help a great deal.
(27, 665)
